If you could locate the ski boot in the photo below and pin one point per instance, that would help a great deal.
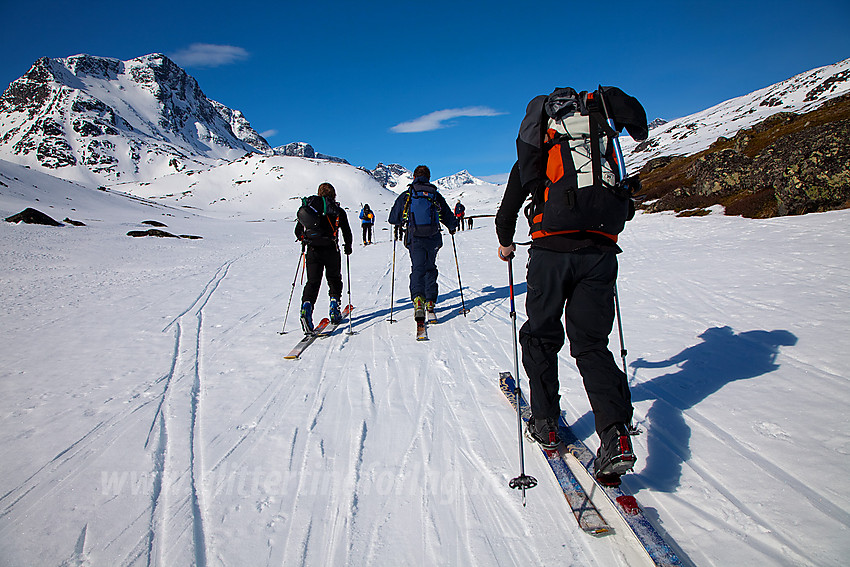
(545, 432)
(615, 456)
(335, 315)
(307, 318)
(419, 308)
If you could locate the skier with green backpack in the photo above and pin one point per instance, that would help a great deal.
(320, 218)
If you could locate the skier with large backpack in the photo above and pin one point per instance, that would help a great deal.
(320, 218)
(421, 209)
(570, 165)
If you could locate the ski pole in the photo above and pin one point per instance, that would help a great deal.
(463, 308)
(633, 429)
(297, 268)
(350, 305)
(523, 481)
(623, 351)
(392, 287)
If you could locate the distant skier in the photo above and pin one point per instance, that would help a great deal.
(460, 211)
(572, 267)
(367, 220)
(420, 210)
(320, 219)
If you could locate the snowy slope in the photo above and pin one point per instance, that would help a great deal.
(262, 186)
(694, 133)
(147, 416)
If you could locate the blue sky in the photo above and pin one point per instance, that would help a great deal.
(440, 83)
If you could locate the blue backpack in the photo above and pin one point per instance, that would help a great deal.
(423, 214)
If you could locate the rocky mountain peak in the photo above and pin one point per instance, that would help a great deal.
(117, 119)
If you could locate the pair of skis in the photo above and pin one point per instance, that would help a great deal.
(324, 329)
(573, 451)
(422, 326)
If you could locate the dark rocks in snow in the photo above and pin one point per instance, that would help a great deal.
(73, 222)
(155, 223)
(151, 232)
(161, 234)
(33, 216)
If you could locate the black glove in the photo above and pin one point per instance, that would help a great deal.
(347, 249)
(633, 184)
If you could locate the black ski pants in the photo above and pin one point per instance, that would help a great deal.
(319, 260)
(583, 281)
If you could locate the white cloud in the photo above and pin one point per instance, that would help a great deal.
(209, 55)
(268, 133)
(439, 119)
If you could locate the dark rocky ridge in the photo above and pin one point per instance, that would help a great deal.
(787, 164)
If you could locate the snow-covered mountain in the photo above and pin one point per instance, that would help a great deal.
(458, 180)
(394, 177)
(305, 150)
(101, 119)
(696, 132)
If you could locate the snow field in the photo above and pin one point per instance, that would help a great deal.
(149, 417)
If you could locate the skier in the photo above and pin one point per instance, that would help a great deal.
(319, 221)
(572, 266)
(460, 211)
(421, 209)
(367, 220)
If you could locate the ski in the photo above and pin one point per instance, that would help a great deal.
(328, 331)
(656, 547)
(421, 331)
(432, 317)
(587, 515)
(658, 550)
(308, 339)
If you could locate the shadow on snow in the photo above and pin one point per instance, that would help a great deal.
(722, 357)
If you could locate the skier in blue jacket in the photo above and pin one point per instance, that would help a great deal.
(421, 209)
(367, 220)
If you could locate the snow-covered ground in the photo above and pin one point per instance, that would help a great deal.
(147, 416)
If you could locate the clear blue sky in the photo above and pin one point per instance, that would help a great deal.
(353, 79)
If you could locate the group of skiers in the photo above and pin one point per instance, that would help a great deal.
(569, 165)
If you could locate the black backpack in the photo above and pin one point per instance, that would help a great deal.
(566, 148)
(319, 218)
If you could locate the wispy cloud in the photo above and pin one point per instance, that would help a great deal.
(441, 119)
(209, 55)
(268, 133)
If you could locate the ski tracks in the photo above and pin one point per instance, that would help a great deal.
(177, 527)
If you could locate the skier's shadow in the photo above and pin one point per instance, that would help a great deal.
(449, 304)
(703, 369)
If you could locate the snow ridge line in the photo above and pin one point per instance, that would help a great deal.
(177, 509)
